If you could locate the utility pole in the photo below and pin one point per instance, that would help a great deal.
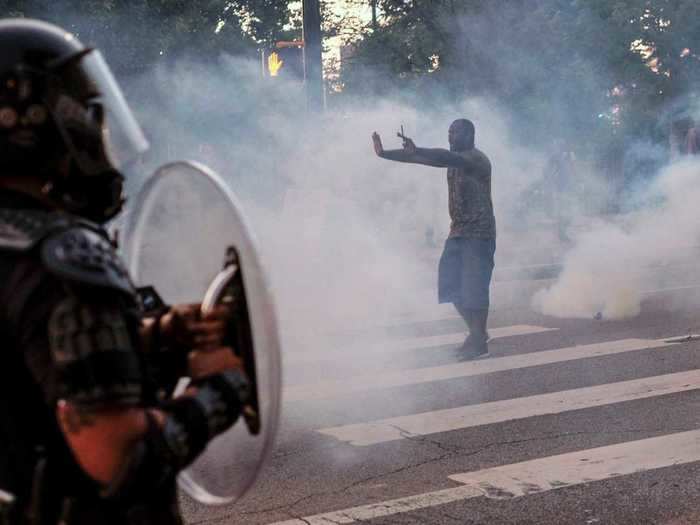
(313, 65)
(374, 15)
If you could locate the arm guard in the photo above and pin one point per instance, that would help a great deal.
(93, 330)
(191, 423)
(94, 354)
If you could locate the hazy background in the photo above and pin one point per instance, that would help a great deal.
(352, 241)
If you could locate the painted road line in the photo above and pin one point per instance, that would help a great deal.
(671, 289)
(534, 476)
(419, 343)
(329, 389)
(413, 343)
(429, 316)
(683, 338)
(388, 508)
(363, 434)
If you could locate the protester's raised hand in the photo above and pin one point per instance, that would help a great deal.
(409, 146)
(377, 140)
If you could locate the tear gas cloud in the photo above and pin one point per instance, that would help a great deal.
(352, 241)
(614, 263)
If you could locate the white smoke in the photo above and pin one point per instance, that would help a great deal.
(350, 240)
(613, 264)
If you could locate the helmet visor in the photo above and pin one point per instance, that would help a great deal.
(123, 138)
(92, 115)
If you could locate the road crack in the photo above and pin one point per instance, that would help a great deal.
(454, 451)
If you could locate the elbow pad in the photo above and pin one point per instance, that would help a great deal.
(191, 423)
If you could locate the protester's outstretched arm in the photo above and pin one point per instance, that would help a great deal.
(441, 158)
(399, 155)
(435, 157)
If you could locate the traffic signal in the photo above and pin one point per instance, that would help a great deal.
(286, 61)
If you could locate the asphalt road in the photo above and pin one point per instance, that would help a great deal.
(569, 421)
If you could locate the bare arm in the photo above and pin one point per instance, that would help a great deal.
(441, 158)
(101, 440)
(435, 157)
(400, 155)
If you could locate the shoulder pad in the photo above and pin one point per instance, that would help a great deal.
(21, 230)
(84, 255)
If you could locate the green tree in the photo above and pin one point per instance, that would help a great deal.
(614, 67)
(135, 34)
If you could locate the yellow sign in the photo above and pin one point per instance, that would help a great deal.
(274, 64)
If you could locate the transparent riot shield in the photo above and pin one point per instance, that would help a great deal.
(187, 238)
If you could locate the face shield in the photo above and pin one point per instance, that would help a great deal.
(92, 114)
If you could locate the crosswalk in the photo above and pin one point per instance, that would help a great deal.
(412, 344)
(336, 388)
(532, 477)
(517, 479)
(501, 411)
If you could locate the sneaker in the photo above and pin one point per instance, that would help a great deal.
(471, 350)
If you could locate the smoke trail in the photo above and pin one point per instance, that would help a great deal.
(613, 263)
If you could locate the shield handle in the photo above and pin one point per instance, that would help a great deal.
(227, 288)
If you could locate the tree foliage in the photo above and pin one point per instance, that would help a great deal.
(135, 34)
(615, 66)
(604, 68)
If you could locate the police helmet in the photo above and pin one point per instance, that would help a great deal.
(60, 105)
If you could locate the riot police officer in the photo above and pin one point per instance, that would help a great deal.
(86, 434)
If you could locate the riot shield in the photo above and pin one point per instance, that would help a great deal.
(187, 238)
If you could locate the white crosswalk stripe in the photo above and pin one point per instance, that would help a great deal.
(330, 389)
(364, 434)
(535, 476)
(515, 479)
(432, 341)
(412, 344)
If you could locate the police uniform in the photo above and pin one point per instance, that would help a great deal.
(70, 317)
(69, 321)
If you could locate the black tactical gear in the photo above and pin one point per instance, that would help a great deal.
(70, 317)
(192, 422)
(68, 326)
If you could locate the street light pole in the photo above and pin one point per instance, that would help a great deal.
(313, 65)
(374, 14)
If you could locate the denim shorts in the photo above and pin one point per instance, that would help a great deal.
(465, 271)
